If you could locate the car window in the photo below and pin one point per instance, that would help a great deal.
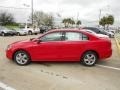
(96, 30)
(74, 36)
(52, 37)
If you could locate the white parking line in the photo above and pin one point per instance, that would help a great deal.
(5, 87)
(109, 67)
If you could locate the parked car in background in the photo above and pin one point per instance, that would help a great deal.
(31, 31)
(97, 34)
(44, 29)
(110, 34)
(61, 45)
(5, 32)
(99, 31)
(113, 31)
(21, 32)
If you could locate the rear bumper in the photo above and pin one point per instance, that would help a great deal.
(106, 54)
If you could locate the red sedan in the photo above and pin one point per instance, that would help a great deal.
(61, 45)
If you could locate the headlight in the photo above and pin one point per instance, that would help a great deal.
(8, 47)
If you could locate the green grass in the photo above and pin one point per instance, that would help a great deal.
(11, 27)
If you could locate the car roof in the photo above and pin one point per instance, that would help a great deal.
(70, 30)
(64, 30)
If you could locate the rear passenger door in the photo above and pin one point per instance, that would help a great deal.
(73, 45)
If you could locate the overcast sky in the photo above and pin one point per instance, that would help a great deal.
(86, 10)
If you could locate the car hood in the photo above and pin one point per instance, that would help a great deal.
(21, 31)
(6, 30)
(22, 44)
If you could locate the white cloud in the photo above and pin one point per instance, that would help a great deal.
(88, 9)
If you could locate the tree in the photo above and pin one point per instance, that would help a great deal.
(78, 22)
(68, 21)
(42, 18)
(72, 22)
(48, 21)
(65, 22)
(109, 20)
(6, 18)
(103, 21)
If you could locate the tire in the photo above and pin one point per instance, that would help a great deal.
(35, 33)
(109, 36)
(3, 34)
(18, 34)
(22, 58)
(30, 32)
(89, 58)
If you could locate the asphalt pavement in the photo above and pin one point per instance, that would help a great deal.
(58, 76)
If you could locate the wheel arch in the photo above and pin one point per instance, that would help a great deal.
(20, 50)
(91, 51)
(29, 30)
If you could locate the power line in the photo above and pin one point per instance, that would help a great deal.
(13, 7)
(1, 1)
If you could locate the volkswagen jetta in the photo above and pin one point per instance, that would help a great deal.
(61, 45)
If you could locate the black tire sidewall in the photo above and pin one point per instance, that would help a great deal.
(14, 57)
(18, 34)
(30, 32)
(3, 34)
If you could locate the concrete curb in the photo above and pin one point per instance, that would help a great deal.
(118, 45)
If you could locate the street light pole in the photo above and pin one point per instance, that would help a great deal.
(99, 17)
(100, 14)
(32, 11)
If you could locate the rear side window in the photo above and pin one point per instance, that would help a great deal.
(75, 36)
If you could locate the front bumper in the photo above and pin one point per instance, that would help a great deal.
(9, 54)
(23, 33)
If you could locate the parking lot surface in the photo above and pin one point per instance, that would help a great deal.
(58, 76)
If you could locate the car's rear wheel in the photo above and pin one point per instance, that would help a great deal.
(18, 34)
(22, 58)
(89, 58)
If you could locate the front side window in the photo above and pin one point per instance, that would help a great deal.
(75, 36)
(52, 37)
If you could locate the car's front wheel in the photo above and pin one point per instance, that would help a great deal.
(22, 58)
(89, 58)
(3, 34)
(30, 32)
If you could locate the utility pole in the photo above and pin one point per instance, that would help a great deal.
(99, 16)
(32, 11)
(77, 18)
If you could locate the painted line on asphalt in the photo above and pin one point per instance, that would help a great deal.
(114, 68)
(118, 45)
(5, 87)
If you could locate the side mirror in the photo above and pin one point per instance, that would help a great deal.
(32, 39)
(38, 41)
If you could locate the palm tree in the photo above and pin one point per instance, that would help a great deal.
(110, 20)
(106, 21)
(78, 23)
(103, 21)
(72, 22)
(65, 22)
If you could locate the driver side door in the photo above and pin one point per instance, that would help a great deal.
(48, 48)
